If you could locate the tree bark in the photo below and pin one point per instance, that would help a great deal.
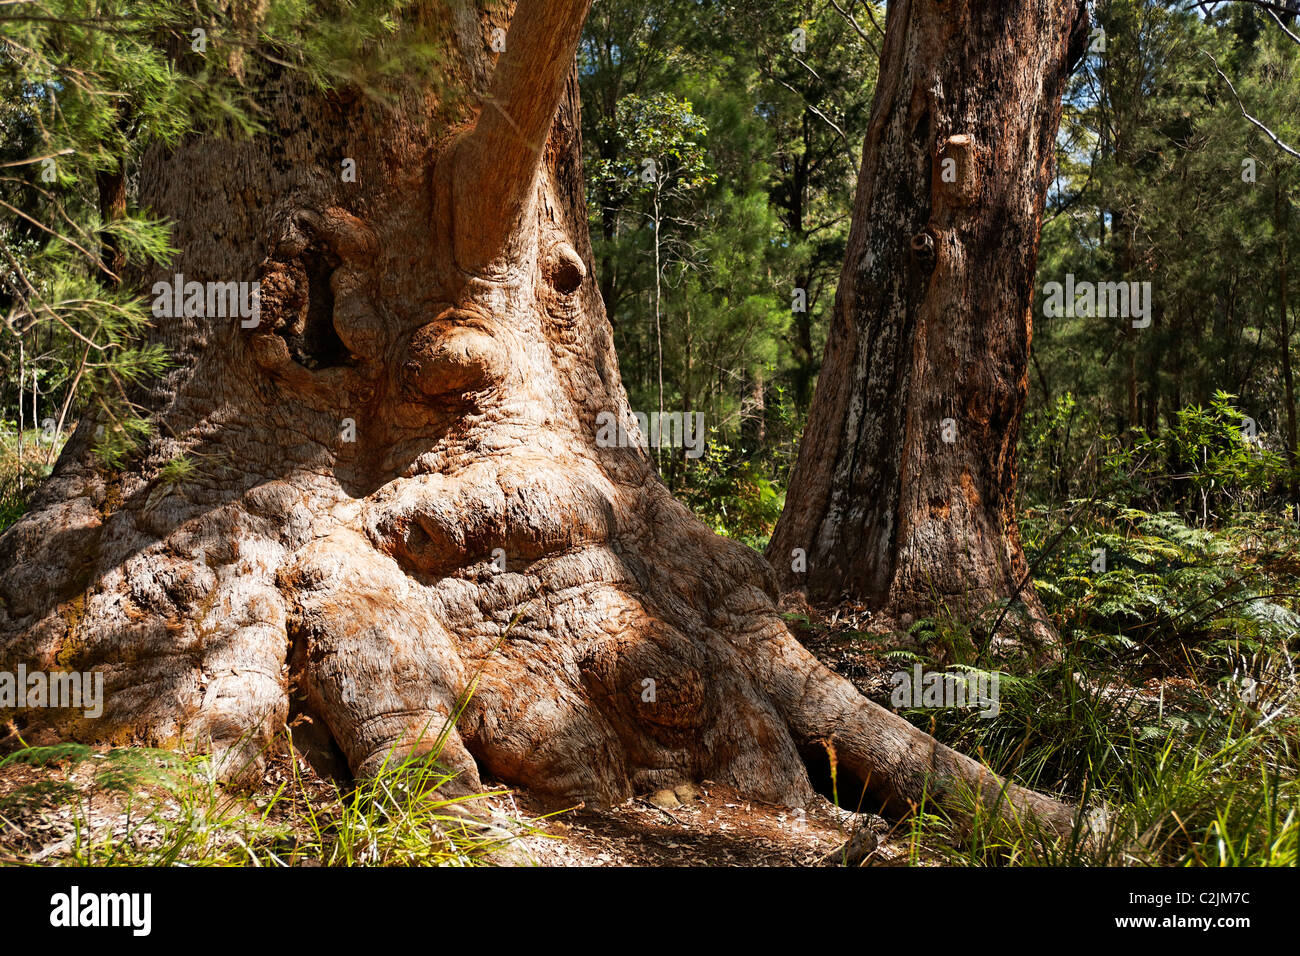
(475, 544)
(903, 496)
(111, 184)
(1281, 219)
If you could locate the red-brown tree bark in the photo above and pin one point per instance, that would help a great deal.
(903, 496)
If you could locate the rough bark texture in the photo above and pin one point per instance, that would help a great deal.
(931, 328)
(361, 583)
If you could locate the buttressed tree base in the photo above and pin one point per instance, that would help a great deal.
(398, 497)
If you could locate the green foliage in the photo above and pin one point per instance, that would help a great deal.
(398, 817)
(1205, 463)
(759, 181)
(85, 89)
(24, 460)
(170, 809)
(1174, 710)
(731, 495)
(1163, 587)
(1216, 447)
(1187, 801)
(1162, 180)
(663, 130)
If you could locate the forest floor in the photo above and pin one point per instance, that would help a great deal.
(713, 826)
(716, 828)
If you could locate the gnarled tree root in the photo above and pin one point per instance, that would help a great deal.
(902, 768)
(642, 706)
(591, 673)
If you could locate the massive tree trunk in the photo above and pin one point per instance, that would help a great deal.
(903, 494)
(475, 536)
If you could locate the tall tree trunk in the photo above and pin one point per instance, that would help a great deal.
(903, 495)
(805, 361)
(22, 412)
(476, 541)
(111, 185)
(659, 329)
(1281, 222)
